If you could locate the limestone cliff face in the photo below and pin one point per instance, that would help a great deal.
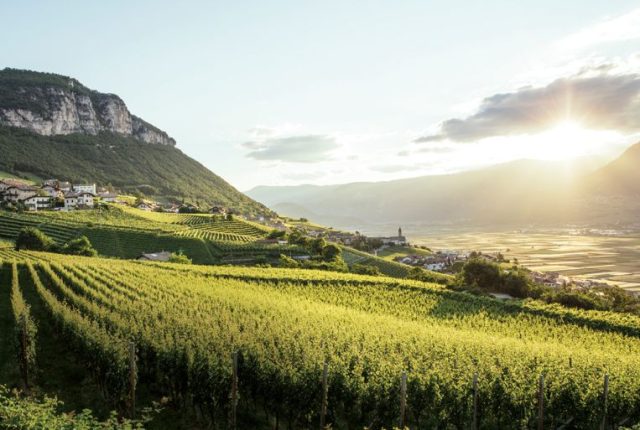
(52, 104)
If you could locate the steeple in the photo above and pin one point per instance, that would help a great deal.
(399, 231)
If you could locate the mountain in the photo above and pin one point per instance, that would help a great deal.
(516, 193)
(52, 126)
(621, 177)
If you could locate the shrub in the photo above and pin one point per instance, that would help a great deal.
(31, 238)
(365, 269)
(180, 258)
(79, 246)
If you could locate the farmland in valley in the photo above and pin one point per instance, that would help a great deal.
(612, 259)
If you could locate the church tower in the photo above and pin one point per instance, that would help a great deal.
(399, 231)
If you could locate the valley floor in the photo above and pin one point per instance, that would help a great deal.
(610, 259)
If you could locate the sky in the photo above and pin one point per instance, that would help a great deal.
(292, 92)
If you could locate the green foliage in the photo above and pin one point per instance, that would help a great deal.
(420, 274)
(126, 163)
(25, 330)
(79, 246)
(485, 276)
(317, 245)
(482, 274)
(287, 262)
(365, 269)
(277, 234)
(287, 322)
(331, 252)
(180, 258)
(31, 238)
(26, 413)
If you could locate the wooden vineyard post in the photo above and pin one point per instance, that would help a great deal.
(325, 394)
(133, 379)
(605, 398)
(403, 399)
(541, 403)
(234, 391)
(475, 401)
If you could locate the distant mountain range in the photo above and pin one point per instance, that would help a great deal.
(518, 193)
(52, 126)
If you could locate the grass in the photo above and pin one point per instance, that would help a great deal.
(26, 177)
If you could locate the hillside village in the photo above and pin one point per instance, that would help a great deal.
(52, 194)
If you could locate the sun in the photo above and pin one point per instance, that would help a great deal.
(566, 140)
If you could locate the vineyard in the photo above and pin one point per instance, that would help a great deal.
(246, 347)
(120, 231)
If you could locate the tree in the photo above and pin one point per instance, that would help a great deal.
(180, 258)
(481, 274)
(516, 283)
(296, 237)
(79, 246)
(276, 234)
(33, 239)
(317, 246)
(288, 262)
(331, 252)
(365, 269)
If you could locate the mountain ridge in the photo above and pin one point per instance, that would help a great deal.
(52, 126)
(51, 104)
(514, 193)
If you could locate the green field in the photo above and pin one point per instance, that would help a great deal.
(393, 252)
(609, 259)
(120, 231)
(186, 321)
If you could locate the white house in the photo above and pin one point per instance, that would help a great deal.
(36, 203)
(394, 240)
(156, 256)
(436, 267)
(52, 191)
(73, 200)
(15, 194)
(85, 188)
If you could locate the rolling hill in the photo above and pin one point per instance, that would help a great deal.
(52, 126)
(519, 192)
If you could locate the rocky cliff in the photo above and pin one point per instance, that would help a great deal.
(50, 104)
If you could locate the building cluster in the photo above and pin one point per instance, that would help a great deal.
(438, 262)
(553, 279)
(52, 194)
(399, 240)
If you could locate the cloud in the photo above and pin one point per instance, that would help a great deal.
(294, 149)
(395, 168)
(617, 29)
(601, 101)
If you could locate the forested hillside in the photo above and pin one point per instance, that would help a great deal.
(124, 162)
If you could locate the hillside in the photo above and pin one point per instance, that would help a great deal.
(188, 321)
(621, 177)
(512, 193)
(52, 126)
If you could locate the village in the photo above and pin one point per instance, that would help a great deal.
(57, 195)
(52, 195)
(450, 261)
